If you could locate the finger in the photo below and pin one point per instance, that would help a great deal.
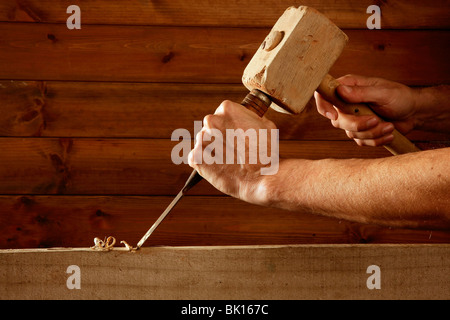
(325, 108)
(207, 134)
(227, 107)
(375, 142)
(194, 163)
(194, 156)
(355, 89)
(209, 121)
(202, 140)
(357, 80)
(379, 131)
(191, 159)
(355, 123)
(367, 94)
(221, 108)
(198, 138)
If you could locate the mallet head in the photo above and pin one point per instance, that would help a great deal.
(294, 58)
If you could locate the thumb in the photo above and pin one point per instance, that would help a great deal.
(362, 94)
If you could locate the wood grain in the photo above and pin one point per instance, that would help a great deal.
(200, 55)
(229, 272)
(139, 110)
(85, 122)
(399, 14)
(123, 166)
(74, 221)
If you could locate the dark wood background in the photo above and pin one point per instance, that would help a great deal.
(86, 116)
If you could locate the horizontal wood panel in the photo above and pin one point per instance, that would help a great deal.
(201, 55)
(399, 14)
(138, 110)
(228, 273)
(74, 221)
(124, 166)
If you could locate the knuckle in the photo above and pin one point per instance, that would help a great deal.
(359, 142)
(373, 143)
(208, 120)
(199, 136)
(359, 126)
(226, 106)
(347, 76)
(335, 124)
(378, 142)
(270, 124)
(368, 142)
(350, 134)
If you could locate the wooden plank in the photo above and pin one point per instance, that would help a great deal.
(123, 166)
(399, 14)
(74, 221)
(100, 109)
(130, 110)
(229, 273)
(395, 55)
(200, 55)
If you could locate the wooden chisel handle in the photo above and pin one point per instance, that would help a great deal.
(327, 89)
(257, 101)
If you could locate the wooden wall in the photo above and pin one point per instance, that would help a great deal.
(86, 116)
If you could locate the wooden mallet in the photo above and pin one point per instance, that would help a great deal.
(294, 61)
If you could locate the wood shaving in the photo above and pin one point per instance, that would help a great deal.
(108, 244)
(130, 248)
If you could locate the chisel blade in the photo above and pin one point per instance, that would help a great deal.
(193, 179)
(160, 219)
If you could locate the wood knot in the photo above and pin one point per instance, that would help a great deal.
(272, 40)
(100, 213)
(58, 164)
(24, 202)
(168, 57)
(28, 116)
(51, 37)
(380, 47)
(41, 220)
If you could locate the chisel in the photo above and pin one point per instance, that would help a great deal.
(256, 101)
(193, 179)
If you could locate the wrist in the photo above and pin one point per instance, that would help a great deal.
(430, 107)
(260, 190)
(263, 189)
(284, 189)
(420, 97)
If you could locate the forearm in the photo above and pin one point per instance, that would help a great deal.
(403, 191)
(433, 108)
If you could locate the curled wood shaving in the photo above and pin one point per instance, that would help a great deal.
(104, 245)
(130, 248)
(108, 244)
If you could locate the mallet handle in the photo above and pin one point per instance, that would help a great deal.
(327, 89)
